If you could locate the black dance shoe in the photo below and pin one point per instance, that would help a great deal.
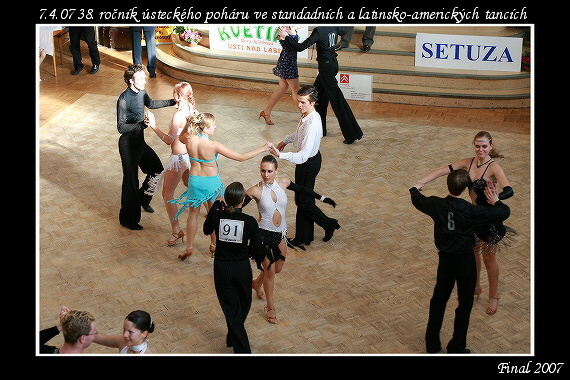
(76, 71)
(94, 69)
(350, 142)
(298, 243)
(134, 227)
(147, 208)
(464, 351)
(330, 232)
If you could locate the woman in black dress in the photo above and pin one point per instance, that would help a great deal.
(482, 168)
(288, 74)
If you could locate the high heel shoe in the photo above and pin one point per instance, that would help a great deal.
(266, 117)
(491, 310)
(269, 318)
(258, 291)
(212, 249)
(187, 253)
(178, 235)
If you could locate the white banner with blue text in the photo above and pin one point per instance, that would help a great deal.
(468, 52)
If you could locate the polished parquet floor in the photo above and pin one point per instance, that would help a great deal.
(365, 292)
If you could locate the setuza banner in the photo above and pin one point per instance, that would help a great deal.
(468, 52)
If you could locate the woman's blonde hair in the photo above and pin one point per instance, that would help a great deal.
(183, 90)
(197, 123)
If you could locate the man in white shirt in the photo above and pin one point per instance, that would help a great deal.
(307, 140)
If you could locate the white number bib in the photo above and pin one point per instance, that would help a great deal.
(231, 231)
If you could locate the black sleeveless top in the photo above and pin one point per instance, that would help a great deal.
(478, 186)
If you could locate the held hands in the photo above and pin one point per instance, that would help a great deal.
(276, 149)
(491, 193)
(268, 147)
(149, 119)
(62, 313)
(218, 205)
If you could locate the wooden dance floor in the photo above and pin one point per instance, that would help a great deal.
(367, 291)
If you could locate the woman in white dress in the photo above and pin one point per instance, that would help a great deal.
(178, 165)
(272, 202)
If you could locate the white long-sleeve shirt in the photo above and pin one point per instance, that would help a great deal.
(306, 139)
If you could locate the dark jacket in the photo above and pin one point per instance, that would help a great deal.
(455, 219)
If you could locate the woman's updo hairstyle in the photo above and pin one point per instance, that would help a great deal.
(142, 320)
(183, 90)
(271, 159)
(197, 123)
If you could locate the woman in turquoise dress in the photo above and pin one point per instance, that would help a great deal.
(204, 182)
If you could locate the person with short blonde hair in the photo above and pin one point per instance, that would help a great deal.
(78, 329)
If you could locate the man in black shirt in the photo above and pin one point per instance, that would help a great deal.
(133, 149)
(326, 84)
(454, 222)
